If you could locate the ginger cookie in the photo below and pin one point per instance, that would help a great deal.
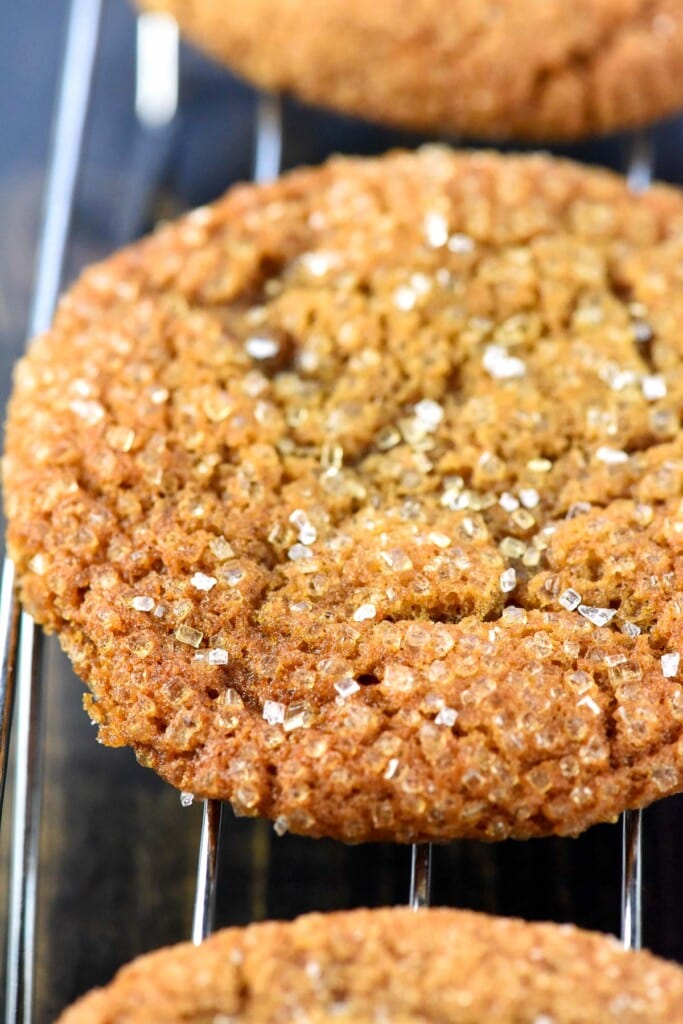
(392, 965)
(534, 69)
(355, 498)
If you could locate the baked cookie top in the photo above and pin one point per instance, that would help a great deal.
(537, 69)
(356, 498)
(393, 965)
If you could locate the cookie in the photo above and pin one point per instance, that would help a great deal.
(518, 68)
(393, 965)
(355, 498)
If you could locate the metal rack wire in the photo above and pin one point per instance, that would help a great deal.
(20, 641)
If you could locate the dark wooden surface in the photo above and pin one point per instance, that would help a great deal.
(118, 852)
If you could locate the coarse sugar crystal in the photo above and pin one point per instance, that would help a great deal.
(597, 616)
(274, 712)
(508, 581)
(217, 656)
(346, 687)
(365, 611)
(261, 347)
(398, 677)
(570, 599)
(670, 663)
(446, 716)
(653, 387)
(200, 581)
(188, 635)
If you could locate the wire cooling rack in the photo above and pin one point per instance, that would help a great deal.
(22, 697)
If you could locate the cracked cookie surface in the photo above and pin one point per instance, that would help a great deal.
(534, 69)
(356, 498)
(393, 965)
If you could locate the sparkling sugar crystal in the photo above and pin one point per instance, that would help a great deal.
(91, 412)
(446, 716)
(529, 497)
(588, 702)
(319, 263)
(460, 243)
(143, 604)
(539, 465)
(397, 559)
(653, 387)
(254, 384)
(217, 656)
(346, 687)
(188, 635)
(202, 582)
(670, 663)
(307, 531)
(399, 677)
(501, 366)
(531, 558)
(597, 616)
(570, 599)
(620, 379)
(625, 672)
(435, 227)
(508, 502)
(630, 629)
(417, 635)
(514, 614)
(274, 712)
(522, 518)
(308, 534)
(38, 565)
(261, 347)
(404, 298)
(233, 576)
(365, 611)
(580, 680)
(392, 768)
(472, 527)
(81, 387)
(299, 518)
(296, 717)
(387, 438)
(299, 551)
(441, 540)
(186, 799)
(221, 549)
(512, 547)
(121, 439)
(611, 456)
(508, 581)
(429, 414)
(578, 508)
(443, 641)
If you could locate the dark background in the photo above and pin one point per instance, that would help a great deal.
(118, 852)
